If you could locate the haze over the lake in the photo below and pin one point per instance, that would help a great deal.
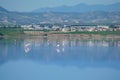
(30, 5)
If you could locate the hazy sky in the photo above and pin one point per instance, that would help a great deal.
(29, 5)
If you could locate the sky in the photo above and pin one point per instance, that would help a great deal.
(30, 5)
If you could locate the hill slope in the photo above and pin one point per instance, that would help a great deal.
(3, 9)
(59, 17)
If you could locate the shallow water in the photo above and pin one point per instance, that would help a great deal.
(59, 59)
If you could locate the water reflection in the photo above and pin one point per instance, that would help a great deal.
(53, 58)
(27, 47)
(64, 51)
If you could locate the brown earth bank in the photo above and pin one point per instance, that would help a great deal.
(70, 36)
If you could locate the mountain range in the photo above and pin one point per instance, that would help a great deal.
(82, 8)
(79, 14)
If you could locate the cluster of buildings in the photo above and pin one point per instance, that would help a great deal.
(72, 28)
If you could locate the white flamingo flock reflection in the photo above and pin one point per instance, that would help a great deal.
(60, 45)
(50, 49)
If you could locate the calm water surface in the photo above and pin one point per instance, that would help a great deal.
(59, 59)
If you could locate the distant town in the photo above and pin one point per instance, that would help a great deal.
(72, 28)
(65, 28)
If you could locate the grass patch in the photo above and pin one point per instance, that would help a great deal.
(11, 31)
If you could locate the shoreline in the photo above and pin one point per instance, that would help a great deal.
(82, 35)
(65, 36)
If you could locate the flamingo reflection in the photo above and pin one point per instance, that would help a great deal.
(27, 47)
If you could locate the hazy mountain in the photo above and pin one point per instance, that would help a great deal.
(82, 8)
(59, 17)
(3, 9)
